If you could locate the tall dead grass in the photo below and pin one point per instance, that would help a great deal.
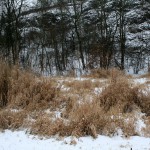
(28, 91)
(124, 97)
(11, 120)
(83, 120)
(21, 89)
(81, 115)
(105, 73)
(119, 93)
(79, 86)
(4, 83)
(45, 126)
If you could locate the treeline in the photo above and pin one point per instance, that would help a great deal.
(57, 37)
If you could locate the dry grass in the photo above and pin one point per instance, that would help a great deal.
(21, 89)
(126, 123)
(4, 83)
(86, 119)
(11, 120)
(82, 112)
(45, 126)
(147, 75)
(28, 91)
(103, 73)
(144, 102)
(89, 118)
(119, 94)
(146, 130)
(84, 86)
(79, 85)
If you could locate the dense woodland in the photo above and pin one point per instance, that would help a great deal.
(56, 37)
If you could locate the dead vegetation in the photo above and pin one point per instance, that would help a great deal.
(21, 89)
(30, 92)
(45, 126)
(83, 87)
(11, 120)
(4, 83)
(119, 94)
(82, 112)
(147, 75)
(103, 73)
(122, 95)
(146, 130)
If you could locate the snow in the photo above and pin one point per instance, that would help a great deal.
(18, 140)
(140, 80)
(98, 90)
(31, 3)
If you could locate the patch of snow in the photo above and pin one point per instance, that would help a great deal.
(97, 90)
(31, 3)
(63, 88)
(140, 81)
(140, 124)
(18, 140)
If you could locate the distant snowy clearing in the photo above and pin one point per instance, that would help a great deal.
(18, 140)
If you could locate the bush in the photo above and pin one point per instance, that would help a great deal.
(45, 126)
(28, 91)
(119, 94)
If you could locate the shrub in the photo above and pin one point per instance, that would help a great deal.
(45, 126)
(120, 94)
(28, 91)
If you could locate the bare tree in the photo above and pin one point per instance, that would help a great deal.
(10, 22)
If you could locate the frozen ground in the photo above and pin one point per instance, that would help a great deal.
(18, 140)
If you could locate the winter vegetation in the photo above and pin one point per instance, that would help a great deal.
(73, 70)
(111, 104)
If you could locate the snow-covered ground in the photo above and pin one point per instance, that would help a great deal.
(18, 140)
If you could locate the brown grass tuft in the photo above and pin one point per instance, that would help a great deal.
(45, 126)
(86, 119)
(28, 91)
(11, 120)
(144, 102)
(119, 94)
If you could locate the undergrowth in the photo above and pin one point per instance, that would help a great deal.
(82, 112)
(105, 73)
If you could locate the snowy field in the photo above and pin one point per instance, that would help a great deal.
(18, 140)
